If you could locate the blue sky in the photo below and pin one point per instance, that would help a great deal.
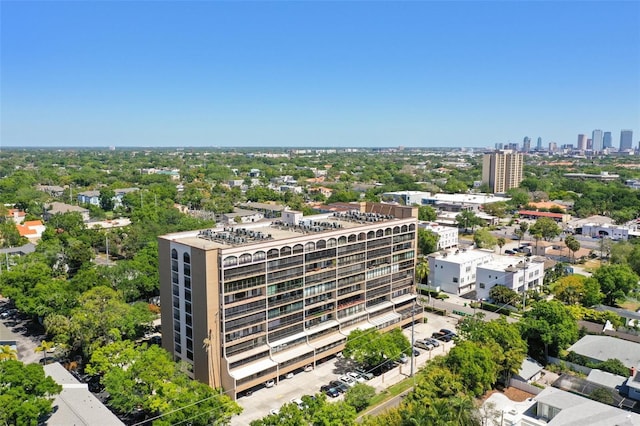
(325, 73)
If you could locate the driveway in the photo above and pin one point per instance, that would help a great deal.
(26, 334)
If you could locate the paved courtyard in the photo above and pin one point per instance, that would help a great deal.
(258, 404)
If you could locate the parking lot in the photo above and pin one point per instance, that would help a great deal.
(26, 334)
(258, 404)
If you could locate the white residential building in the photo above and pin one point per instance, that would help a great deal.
(455, 272)
(516, 274)
(447, 235)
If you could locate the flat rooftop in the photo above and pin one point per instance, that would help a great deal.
(278, 229)
(461, 255)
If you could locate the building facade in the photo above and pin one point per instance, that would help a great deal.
(250, 303)
(516, 274)
(447, 235)
(502, 170)
(455, 272)
(596, 140)
(626, 140)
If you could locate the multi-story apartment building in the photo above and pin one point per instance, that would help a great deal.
(249, 303)
(455, 272)
(517, 274)
(447, 235)
(502, 170)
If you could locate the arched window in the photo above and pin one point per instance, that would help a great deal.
(174, 254)
(285, 251)
(387, 231)
(404, 228)
(186, 258)
(331, 242)
(245, 258)
(396, 230)
(379, 233)
(309, 246)
(352, 238)
(321, 244)
(230, 261)
(298, 248)
(259, 255)
(273, 254)
(342, 241)
(362, 236)
(412, 227)
(371, 235)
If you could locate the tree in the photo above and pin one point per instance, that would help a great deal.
(483, 239)
(498, 209)
(45, 347)
(427, 213)
(146, 378)
(602, 395)
(107, 197)
(501, 241)
(26, 394)
(359, 396)
(335, 414)
(427, 241)
(546, 227)
(503, 295)
(518, 197)
(573, 245)
(616, 281)
(7, 353)
(475, 365)
(467, 219)
(548, 327)
(570, 289)
(370, 348)
(422, 270)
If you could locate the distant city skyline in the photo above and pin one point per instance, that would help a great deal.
(316, 74)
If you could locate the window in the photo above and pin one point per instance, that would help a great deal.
(455, 279)
(481, 285)
(186, 258)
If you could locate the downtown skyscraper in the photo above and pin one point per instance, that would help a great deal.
(597, 139)
(626, 139)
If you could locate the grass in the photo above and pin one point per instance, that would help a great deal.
(390, 392)
(630, 304)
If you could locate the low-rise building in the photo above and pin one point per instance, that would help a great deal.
(447, 235)
(455, 271)
(596, 230)
(55, 208)
(517, 274)
(532, 214)
(602, 348)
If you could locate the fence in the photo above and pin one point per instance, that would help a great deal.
(524, 386)
(573, 366)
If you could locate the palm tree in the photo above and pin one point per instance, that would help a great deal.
(7, 352)
(422, 270)
(501, 242)
(45, 347)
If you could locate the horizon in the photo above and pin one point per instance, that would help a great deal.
(317, 74)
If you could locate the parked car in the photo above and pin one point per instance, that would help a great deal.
(269, 383)
(403, 358)
(329, 391)
(366, 374)
(444, 337)
(433, 342)
(298, 402)
(449, 332)
(511, 252)
(339, 386)
(348, 380)
(357, 377)
(416, 352)
(274, 411)
(423, 345)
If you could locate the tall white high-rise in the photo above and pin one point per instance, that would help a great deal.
(626, 139)
(539, 145)
(582, 142)
(596, 140)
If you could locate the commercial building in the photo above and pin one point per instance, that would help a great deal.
(515, 274)
(607, 141)
(502, 170)
(596, 140)
(582, 142)
(626, 139)
(247, 304)
(455, 272)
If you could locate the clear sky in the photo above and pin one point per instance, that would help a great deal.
(323, 73)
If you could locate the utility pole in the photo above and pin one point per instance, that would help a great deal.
(413, 326)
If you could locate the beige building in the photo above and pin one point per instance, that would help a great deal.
(502, 170)
(247, 304)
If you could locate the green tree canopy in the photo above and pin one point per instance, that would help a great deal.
(546, 227)
(616, 281)
(548, 327)
(26, 394)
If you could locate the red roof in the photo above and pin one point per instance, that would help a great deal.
(542, 214)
